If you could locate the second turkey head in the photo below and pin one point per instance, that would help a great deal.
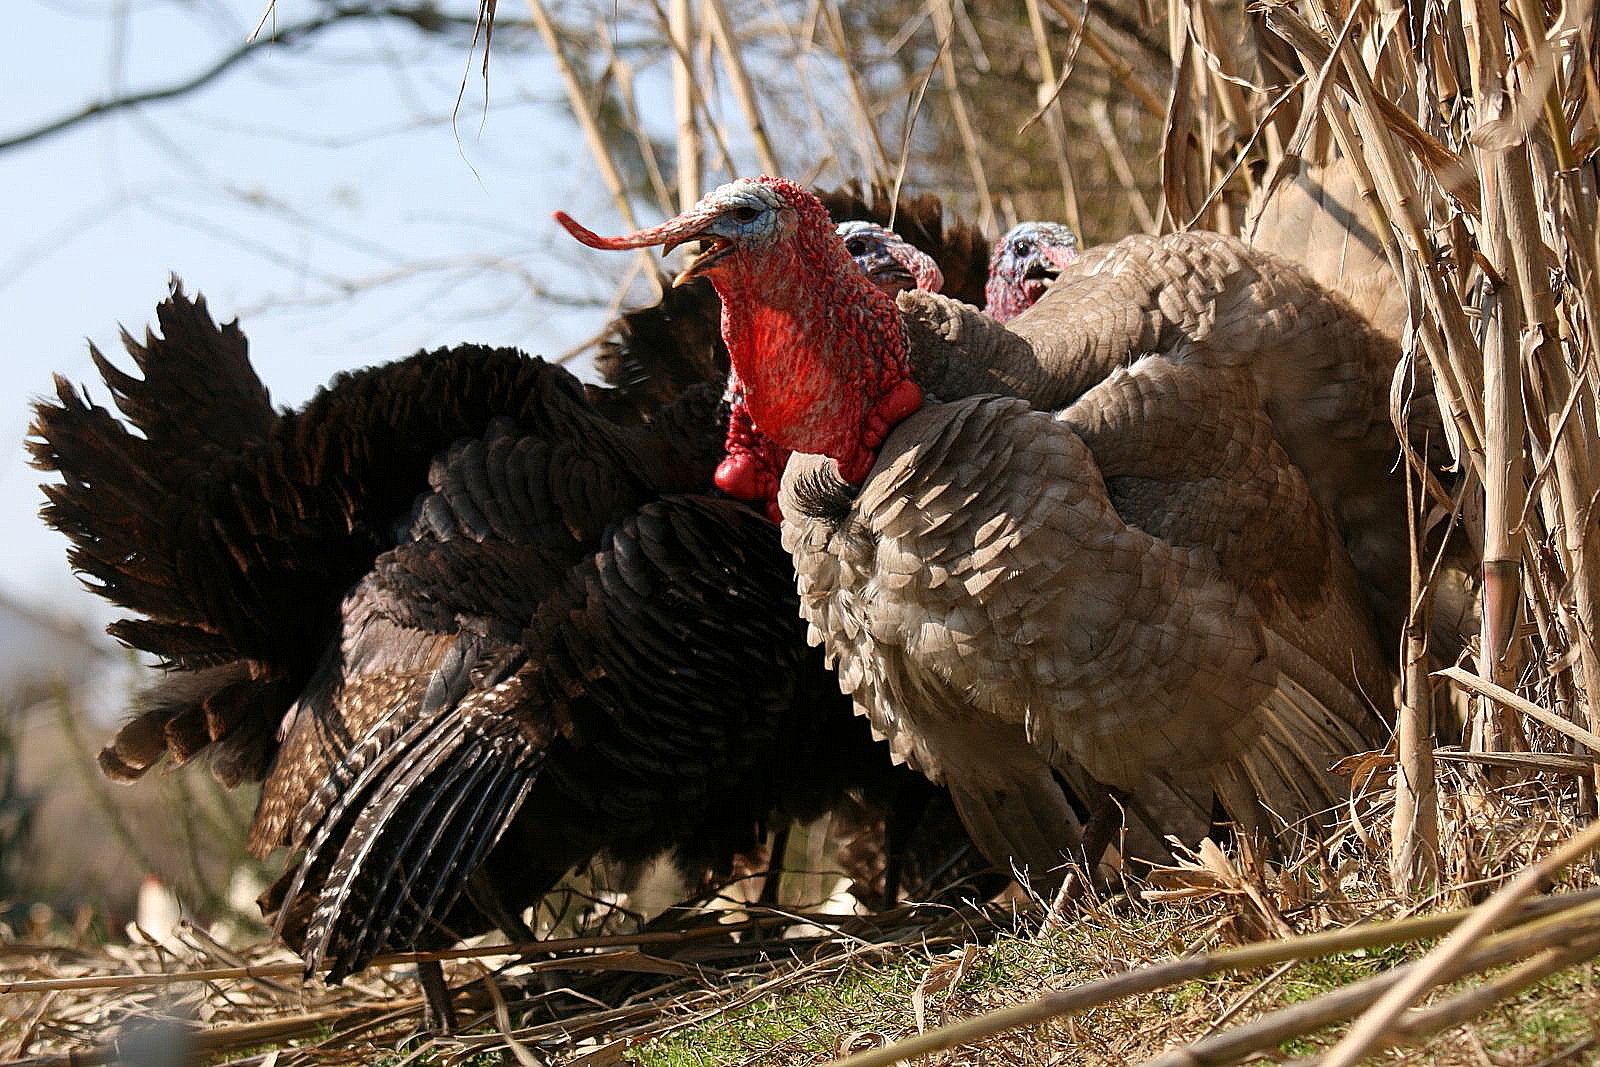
(817, 350)
(888, 260)
(1024, 264)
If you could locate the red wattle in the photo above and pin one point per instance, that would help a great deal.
(902, 400)
(740, 477)
(854, 468)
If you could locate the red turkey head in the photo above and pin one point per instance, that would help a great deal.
(1025, 262)
(816, 349)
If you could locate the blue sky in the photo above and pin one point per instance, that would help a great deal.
(298, 193)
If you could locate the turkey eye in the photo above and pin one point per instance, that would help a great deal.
(856, 246)
(746, 214)
(1024, 248)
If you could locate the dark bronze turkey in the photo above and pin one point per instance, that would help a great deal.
(471, 631)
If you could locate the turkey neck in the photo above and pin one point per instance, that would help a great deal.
(820, 354)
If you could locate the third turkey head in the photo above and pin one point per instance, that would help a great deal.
(1024, 264)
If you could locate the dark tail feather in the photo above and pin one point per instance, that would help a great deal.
(391, 858)
(222, 710)
(199, 393)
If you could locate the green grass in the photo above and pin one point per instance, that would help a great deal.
(806, 1023)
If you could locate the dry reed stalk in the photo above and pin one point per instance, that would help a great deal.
(1439, 342)
(944, 25)
(1188, 968)
(1049, 97)
(1121, 71)
(1506, 698)
(873, 151)
(1226, 123)
(395, 959)
(628, 98)
(688, 157)
(1573, 442)
(578, 101)
(1371, 1029)
(800, 50)
(1397, 189)
(1425, 1022)
(684, 58)
(680, 32)
(1100, 115)
(1305, 1018)
(1180, 169)
(1414, 834)
(743, 92)
(1502, 389)
(197, 1043)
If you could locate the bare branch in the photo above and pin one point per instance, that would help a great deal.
(422, 16)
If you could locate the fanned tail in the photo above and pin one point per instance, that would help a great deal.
(122, 503)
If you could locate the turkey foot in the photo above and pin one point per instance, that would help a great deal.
(1105, 819)
(438, 1016)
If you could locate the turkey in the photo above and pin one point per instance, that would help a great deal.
(470, 631)
(1023, 265)
(888, 260)
(655, 352)
(1144, 587)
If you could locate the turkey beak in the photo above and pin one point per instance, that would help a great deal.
(886, 272)
(669, 235)
(716, 248)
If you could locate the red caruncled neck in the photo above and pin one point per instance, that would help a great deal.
(817, 349)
